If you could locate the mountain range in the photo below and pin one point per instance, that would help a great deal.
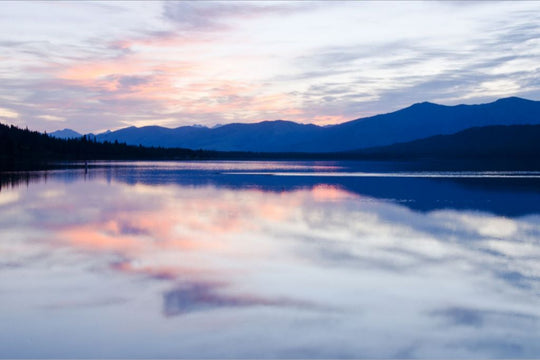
(419, 121)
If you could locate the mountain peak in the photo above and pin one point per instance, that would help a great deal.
(512, 99)
(65, 134)
(424, 104)
(421, 106)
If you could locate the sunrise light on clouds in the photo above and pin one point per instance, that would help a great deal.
(93, 66)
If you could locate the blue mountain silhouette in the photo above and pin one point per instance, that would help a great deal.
(418, 121)
(65, 134)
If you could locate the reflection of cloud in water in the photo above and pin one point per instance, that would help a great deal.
(444, 283)
(191, 297)
(8, 198)
(86, 303)
(504, 343)
(478, 317)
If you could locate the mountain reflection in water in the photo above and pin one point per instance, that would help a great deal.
(198, 261)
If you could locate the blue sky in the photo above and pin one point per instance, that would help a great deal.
(93, 66)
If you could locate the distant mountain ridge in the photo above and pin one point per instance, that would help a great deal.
(65, 134)
(415, 122)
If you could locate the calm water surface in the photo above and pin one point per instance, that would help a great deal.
(269, 259)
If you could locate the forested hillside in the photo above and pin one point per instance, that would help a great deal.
(22, 148)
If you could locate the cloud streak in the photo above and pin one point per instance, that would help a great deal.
(213, 15)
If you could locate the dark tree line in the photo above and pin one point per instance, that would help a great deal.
(21, 148)
(497, 141)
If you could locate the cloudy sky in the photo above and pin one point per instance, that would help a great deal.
(93, 66)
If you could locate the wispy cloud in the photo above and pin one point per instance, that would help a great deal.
(189, 62)
(218, 15)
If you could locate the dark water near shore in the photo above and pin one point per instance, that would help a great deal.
(269, 259)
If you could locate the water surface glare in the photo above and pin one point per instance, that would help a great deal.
(220, 260)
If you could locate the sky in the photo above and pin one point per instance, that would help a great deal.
(99, 65)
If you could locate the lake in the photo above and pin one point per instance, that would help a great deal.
(269, 260)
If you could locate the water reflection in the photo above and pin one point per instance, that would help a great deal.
(191, 262)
